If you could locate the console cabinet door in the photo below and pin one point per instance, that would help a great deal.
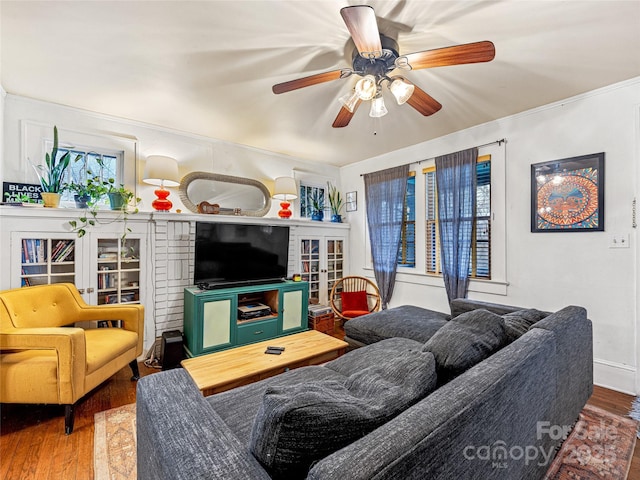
(294, 309)
(216, 327)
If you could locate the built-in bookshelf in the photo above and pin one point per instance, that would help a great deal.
(47, 260)
(118, 275)
(321, 264)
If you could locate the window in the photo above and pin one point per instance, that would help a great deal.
(407, 254)
(307, 194)
(480, 265)
(104, 164)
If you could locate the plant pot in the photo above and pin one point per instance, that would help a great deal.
(116, 201)
(317, 216)
(81, 200)
(336, 218)
(50, 199)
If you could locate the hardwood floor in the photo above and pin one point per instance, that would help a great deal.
(33, 444)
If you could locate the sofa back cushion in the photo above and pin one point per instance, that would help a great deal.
(297, 425)
(463, 305)
(518, 323)
(465, 341)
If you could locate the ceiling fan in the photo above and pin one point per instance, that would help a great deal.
(375, 57)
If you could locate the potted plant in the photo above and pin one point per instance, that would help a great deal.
(87, 193)
(335, 202)
(119, 199)
(51, 174)
(317, 205)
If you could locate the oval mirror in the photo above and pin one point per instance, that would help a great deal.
(234, 195)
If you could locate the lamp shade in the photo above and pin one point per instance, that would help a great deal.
(366, 87)
(378, 108)
(161, 170)
(401, 90)
(285, 188)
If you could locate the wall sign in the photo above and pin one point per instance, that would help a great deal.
(568, 195)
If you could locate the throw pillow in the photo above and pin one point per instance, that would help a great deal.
(354, 304)
(465, 341)
(297, 425)
(518, 323)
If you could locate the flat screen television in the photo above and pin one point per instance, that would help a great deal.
(233, 254)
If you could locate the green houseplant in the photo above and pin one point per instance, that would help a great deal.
(51, 174)
(97, 188)
(335, 202)
(317, 205)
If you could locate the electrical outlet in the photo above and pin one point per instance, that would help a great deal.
(619, 241)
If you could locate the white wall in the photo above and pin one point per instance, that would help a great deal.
(27, 120)
(547, 270)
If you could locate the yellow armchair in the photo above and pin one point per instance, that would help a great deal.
(44, 359)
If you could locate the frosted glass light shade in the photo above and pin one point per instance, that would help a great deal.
(401, 90)
(378, 108)
(366, 88)
(349, 100)
(161, 170)
(285, 188)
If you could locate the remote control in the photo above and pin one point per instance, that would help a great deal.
(276, 348)
(273, 352)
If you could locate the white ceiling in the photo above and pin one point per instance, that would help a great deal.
(207, 67)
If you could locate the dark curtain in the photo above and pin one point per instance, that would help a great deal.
(384, 194)
(456, 185)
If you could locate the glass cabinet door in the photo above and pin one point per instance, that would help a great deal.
(310, 266)
(335, 269)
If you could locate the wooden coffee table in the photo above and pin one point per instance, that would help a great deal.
(238, 366)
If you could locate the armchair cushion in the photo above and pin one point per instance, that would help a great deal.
(103, 344)
(354, 304)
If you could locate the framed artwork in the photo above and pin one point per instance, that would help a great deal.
(567, 195)
(351, 201)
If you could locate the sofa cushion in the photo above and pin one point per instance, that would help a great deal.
(407, 321)
(518, 323)
(238, 407)
(297, 425)
(465, 341)
(374, 354)
(463, 305)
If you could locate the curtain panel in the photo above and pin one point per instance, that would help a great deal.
(456, 186)
(385, 192)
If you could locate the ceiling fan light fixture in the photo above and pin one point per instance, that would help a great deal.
(401, 89)
(367, 87)
(378, 108)
(349, 100)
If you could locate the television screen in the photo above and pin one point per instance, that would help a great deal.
(229, 254)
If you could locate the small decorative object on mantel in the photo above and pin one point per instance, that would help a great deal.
(335, 201)
(206, 207)
(21, 193)
(51, 174)
(568, 195)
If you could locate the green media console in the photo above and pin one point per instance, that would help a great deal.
(229, 317)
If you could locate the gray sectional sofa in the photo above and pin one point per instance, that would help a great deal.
(399, 408)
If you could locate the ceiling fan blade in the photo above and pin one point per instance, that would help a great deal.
(441, 57)
(423, 102)
(345, 116)
(363, 27)
(311, 80)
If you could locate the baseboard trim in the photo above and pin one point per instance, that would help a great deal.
(614, 376)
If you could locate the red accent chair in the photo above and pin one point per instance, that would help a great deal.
(354, 296)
